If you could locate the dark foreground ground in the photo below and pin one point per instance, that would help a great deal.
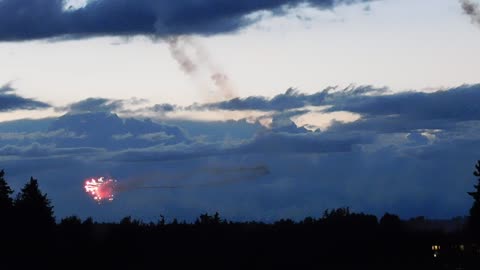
(353, 241)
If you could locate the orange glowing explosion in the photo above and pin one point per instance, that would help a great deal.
(101, 189)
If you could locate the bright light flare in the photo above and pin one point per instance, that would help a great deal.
(101, 189)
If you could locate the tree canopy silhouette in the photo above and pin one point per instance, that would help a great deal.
(6, 201)
(474, 220)
(390, 222)
(33, 207)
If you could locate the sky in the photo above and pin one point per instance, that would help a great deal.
(256, 109)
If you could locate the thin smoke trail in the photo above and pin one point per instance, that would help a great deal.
(472, 9)
(226, 175)
(105, 188)
(193, 58)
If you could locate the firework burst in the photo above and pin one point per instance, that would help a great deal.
(101, 189)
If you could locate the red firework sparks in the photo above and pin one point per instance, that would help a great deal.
(101, 189)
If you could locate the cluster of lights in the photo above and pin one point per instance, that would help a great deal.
(101, 189)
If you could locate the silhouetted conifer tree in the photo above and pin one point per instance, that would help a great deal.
(336, 213)
(161, 222)
(71, 221)
(33, 207)
(390, 222)
(126, 221)
(6, 202)
(474, 220)
(175, 222)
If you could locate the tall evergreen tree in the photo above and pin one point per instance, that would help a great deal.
(474, 220)
(7, 225)
(6, 201)
(33, 207)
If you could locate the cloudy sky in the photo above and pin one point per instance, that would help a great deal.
(256, 109)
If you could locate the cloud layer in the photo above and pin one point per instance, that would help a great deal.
(387, 160)
(291, 99)
(10, 101)
(32, 19)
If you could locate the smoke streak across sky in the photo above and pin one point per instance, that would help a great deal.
(472, 9)
(195, 61)
(105, 189)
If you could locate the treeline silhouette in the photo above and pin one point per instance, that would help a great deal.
(340, 239)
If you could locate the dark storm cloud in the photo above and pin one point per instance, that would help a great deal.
(410, 111)
(381, 110)
(34, 19)
(216, 131)
(291, 99)
(93, 105)
(164, 108)
(37, 136)
(454, 104)
(131, 106)
(10, 101)
(269, 143)
(36, 150)
(288, 143)
(107, 130)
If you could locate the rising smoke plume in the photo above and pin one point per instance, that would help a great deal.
(472, 9)
(194, 60)
(178, 49)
